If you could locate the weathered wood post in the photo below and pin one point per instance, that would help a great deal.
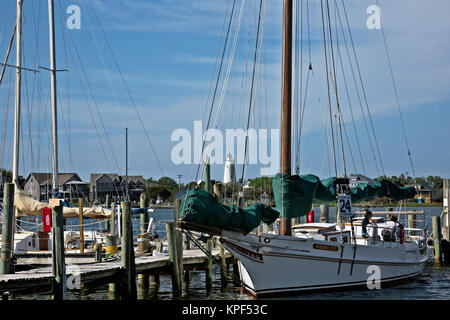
(58, 263)
(143, 245)
(218, 191)
(107, 206)
(173, 255)
(445, 211)
(144, 216)
(324, 213)
(179, 237)
(6, 266)
(128, 265)
(80, 215)
(208, 176)
(209, 268)
(223, 260)
(113, 219)
(411, 221)
(437, 240)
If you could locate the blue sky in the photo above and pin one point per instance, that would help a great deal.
(167, 50)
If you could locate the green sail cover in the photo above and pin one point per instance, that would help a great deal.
(296, 194)
(200, 207)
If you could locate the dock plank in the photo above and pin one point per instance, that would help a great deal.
(100, 270)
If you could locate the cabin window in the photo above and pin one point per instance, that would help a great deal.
(345, 239)
(334, 239)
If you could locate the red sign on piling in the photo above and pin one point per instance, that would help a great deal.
(47, 219)
(311, 216)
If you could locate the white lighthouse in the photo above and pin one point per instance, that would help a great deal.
(229, 175)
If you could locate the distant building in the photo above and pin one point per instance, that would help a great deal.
(425, 195)
(39, 186)
(116, 186)
(229, 175)
(356, 179)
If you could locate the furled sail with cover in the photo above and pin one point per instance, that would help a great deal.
(200, 207)
(296, 194)
(27, 206)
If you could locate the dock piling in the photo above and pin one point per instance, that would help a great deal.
(107, 206)
(58, 263)
(209, 268)
(173, 254)
(144, 216)
(437, 240)
(80, 215)
(6, 266)
(324, 213)
(128, 264)
(223, 274)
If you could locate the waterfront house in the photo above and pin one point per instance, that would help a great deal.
(116, 186)
(39, 186)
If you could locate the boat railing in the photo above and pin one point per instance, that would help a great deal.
(409, 234)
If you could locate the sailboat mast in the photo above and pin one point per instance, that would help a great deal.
(286, 104)
(15, 176)
(53, 98)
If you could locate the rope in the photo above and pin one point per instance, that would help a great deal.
(128, 90)
(252, 88)
(363, 89)
(396, 95)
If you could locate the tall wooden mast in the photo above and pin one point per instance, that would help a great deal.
(286, 104)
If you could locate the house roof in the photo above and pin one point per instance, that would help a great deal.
(46, 178)
(115, 176)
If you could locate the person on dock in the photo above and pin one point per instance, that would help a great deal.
(366, 221)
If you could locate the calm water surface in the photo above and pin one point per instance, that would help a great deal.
(434, 283)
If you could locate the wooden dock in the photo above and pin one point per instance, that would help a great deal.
(106, 270)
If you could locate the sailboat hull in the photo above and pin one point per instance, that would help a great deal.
(272, 265)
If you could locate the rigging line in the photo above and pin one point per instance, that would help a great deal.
(93, 119)
(350, 105)
(357, 90)
(328, 87)
(363, 89)
(298, 85)
(128, 90)
(94, 100)
(335, 87)
(212, 76)
(106, 73)
(252, 87)
(216, 87)
(230, 63)
(69, 136)
(5, 124)
(11, 42)
(396, 94)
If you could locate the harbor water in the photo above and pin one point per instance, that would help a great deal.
(433, 284)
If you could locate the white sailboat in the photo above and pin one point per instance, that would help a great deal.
(318, 256)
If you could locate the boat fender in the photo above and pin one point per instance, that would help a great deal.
(266, 240)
